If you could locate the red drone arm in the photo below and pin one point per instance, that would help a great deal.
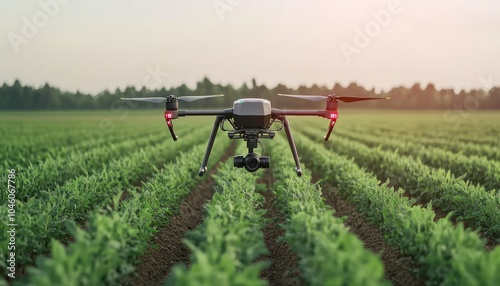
(331, 113)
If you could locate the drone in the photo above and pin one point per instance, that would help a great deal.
(251, 119)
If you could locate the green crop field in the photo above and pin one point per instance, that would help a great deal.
(394, 197)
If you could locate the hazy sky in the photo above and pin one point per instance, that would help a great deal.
(95, 45)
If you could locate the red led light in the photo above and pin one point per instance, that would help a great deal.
(168, 115)
(333, 116)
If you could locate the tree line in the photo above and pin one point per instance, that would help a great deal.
(19, 97)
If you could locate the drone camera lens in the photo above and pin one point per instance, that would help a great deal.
(239, 161)
(264, 161)
(252, 162)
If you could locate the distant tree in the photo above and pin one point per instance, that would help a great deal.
(244, 91)
(354, 90)
(338, 89)
(493, 98)
(278, 101)
(303, 89)
(50, 98)
(15, 93)
(105, 98)
(399, 97)
(430, 97)
(19, 97)
(459, 100)
(205, 86)
(229, 94)
(316, 89)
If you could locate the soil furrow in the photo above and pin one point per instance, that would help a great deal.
(284, 269)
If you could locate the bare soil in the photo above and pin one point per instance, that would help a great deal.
(284, 269)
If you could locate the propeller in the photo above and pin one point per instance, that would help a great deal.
(164, 99)
(341, 98)
(307, 97)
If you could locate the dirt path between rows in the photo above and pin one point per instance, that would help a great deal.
(284, 269)
(156, 264)
(398, 268)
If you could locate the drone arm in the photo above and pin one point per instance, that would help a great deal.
(210, 144)
(331, 114)
(291, 142)
(226, 113)
(279, 112)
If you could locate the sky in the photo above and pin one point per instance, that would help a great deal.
(95, 45)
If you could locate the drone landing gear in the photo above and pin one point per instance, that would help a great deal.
(333, 114)
(330, 128)
(210, 144)
(171, 129)
(291, 142)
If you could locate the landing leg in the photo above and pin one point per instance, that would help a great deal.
(210, 144)
(291, 142)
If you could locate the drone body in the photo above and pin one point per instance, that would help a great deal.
(251, 120)
(252, 113)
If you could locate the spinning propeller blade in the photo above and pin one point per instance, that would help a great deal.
(197, 97)
(147, 99)
(306, 97)
(341, 98)
(354, 99)
(163, 99)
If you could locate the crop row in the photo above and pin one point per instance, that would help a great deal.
(32, 150)
(446, 254)
(484, 135)
(37, 179)
(225, 246)
(44, 217)
(329, 254)
(119, 232)
(34, 141)
(469, 149)
(473, 168)
(466, 201)
(39, 137)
